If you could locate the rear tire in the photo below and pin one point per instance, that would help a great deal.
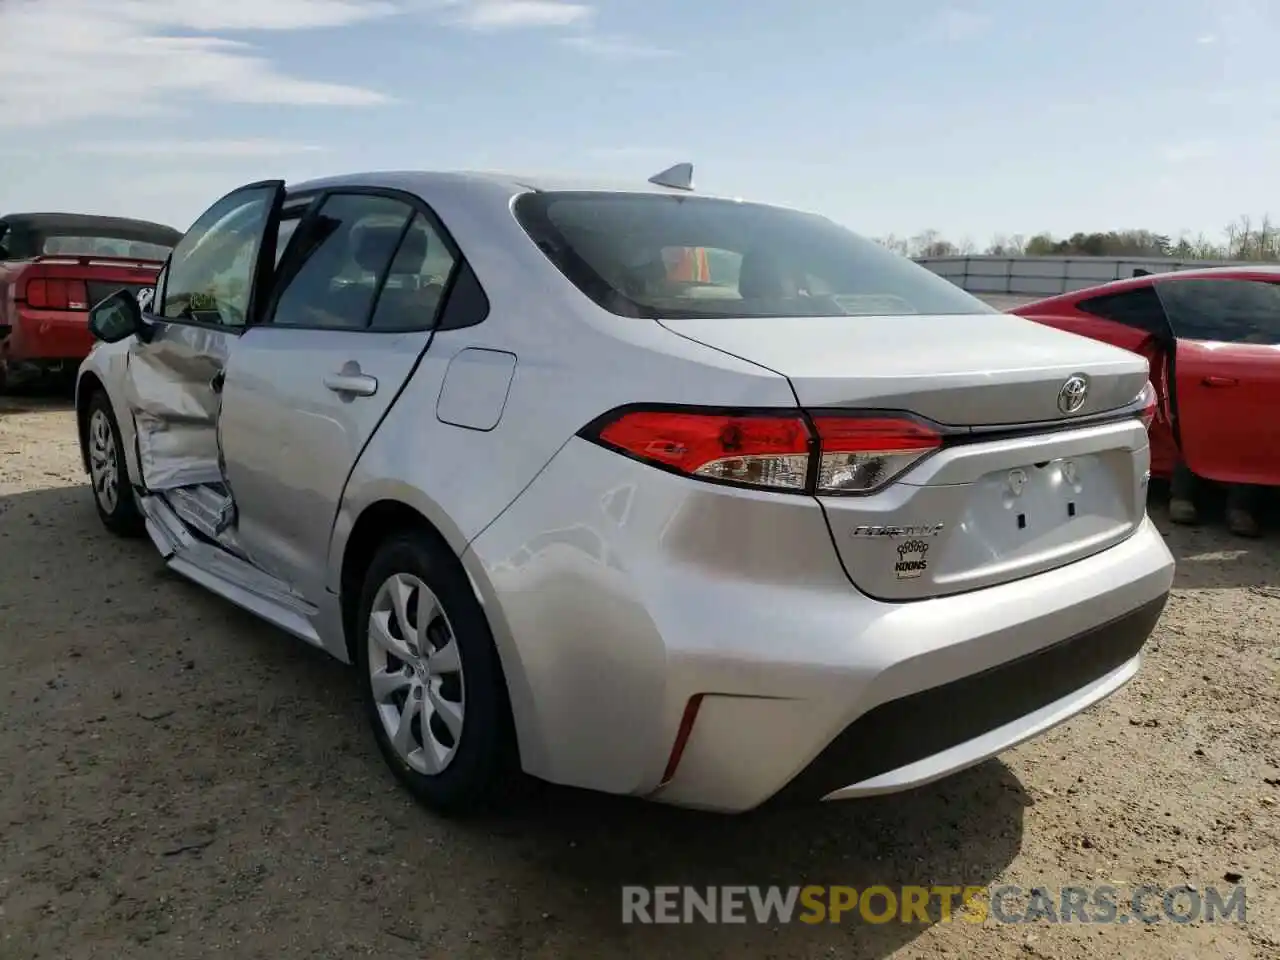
(431, 681)
(109, 471)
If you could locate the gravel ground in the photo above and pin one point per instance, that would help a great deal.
(181, 781)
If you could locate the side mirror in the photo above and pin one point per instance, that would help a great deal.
(118, 317)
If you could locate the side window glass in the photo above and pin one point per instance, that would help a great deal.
(1140, 309)
(210, 274)
(288, 227)
(1223, 311)
(344, 253)
(416, 282)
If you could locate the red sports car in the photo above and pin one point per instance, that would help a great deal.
(53, 268)
(1212, 338)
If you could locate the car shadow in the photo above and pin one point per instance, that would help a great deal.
(250, 750)
(37, 399)
(1209, 557)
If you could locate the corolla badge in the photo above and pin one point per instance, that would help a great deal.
(1072, 394)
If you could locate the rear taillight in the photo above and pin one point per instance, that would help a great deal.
(770, 450)
(859, 455)
(1148, 400)
(56, 293)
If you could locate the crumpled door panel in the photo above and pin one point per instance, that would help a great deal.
(174, 393)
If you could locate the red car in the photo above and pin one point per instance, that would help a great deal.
(53, 268)
(1212, 338)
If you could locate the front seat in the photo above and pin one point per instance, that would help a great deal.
(369, 248)
(407, 306)
(761, 277)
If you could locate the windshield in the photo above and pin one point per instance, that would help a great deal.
(659, 255)
(77, 246)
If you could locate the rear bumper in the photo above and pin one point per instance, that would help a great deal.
(921, 737)
(617, 594)
(47, 335)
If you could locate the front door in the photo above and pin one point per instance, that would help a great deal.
(1227, 374)
(203, 299)
(357, 294)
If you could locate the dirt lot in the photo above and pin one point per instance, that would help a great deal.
(180, 780)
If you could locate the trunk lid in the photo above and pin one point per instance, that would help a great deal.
(975, 370)
(983, 510)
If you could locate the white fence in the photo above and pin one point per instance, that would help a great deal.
(1047, 276)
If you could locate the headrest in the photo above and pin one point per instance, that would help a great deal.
(413, 251)
(373, 246)
(762, 277)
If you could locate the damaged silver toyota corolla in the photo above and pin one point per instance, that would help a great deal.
(631, 488)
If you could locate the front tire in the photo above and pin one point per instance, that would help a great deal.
(109, 471)
(431, 680)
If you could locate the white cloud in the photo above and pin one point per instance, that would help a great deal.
(508, 14)
(1208, 38)
(210, 15)
(615, 48)
(198, 148)
(76, 59)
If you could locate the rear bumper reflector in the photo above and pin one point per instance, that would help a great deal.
(685, 730)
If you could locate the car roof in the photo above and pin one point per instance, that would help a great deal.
(68, 223)
(512, 184)
(1235, 271)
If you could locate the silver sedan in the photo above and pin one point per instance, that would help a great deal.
(630, 487)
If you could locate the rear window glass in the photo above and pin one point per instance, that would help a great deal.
(1222, 311)
(103, 247)
(658, 255)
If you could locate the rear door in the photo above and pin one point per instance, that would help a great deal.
(357, 294)
(1134, 319)
(206, 294)
(1227, 376)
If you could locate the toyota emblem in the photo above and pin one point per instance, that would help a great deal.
(1072, 394)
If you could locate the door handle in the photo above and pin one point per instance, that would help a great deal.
(358, 384)
(1216, 381)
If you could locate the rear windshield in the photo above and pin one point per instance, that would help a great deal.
(659, 255)
(103, 247)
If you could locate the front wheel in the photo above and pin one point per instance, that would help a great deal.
(431, 681)
(108, 471)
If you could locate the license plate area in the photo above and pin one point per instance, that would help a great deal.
(1041, 513)
(1053, 493)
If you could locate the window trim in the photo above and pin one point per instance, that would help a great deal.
(269, 232)
(417, 206)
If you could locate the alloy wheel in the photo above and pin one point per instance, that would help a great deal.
(415, 673)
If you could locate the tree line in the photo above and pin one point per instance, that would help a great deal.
(1244, 239)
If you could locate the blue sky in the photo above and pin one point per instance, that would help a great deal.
(973, 118)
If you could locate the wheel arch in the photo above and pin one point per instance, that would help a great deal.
(388, 515)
